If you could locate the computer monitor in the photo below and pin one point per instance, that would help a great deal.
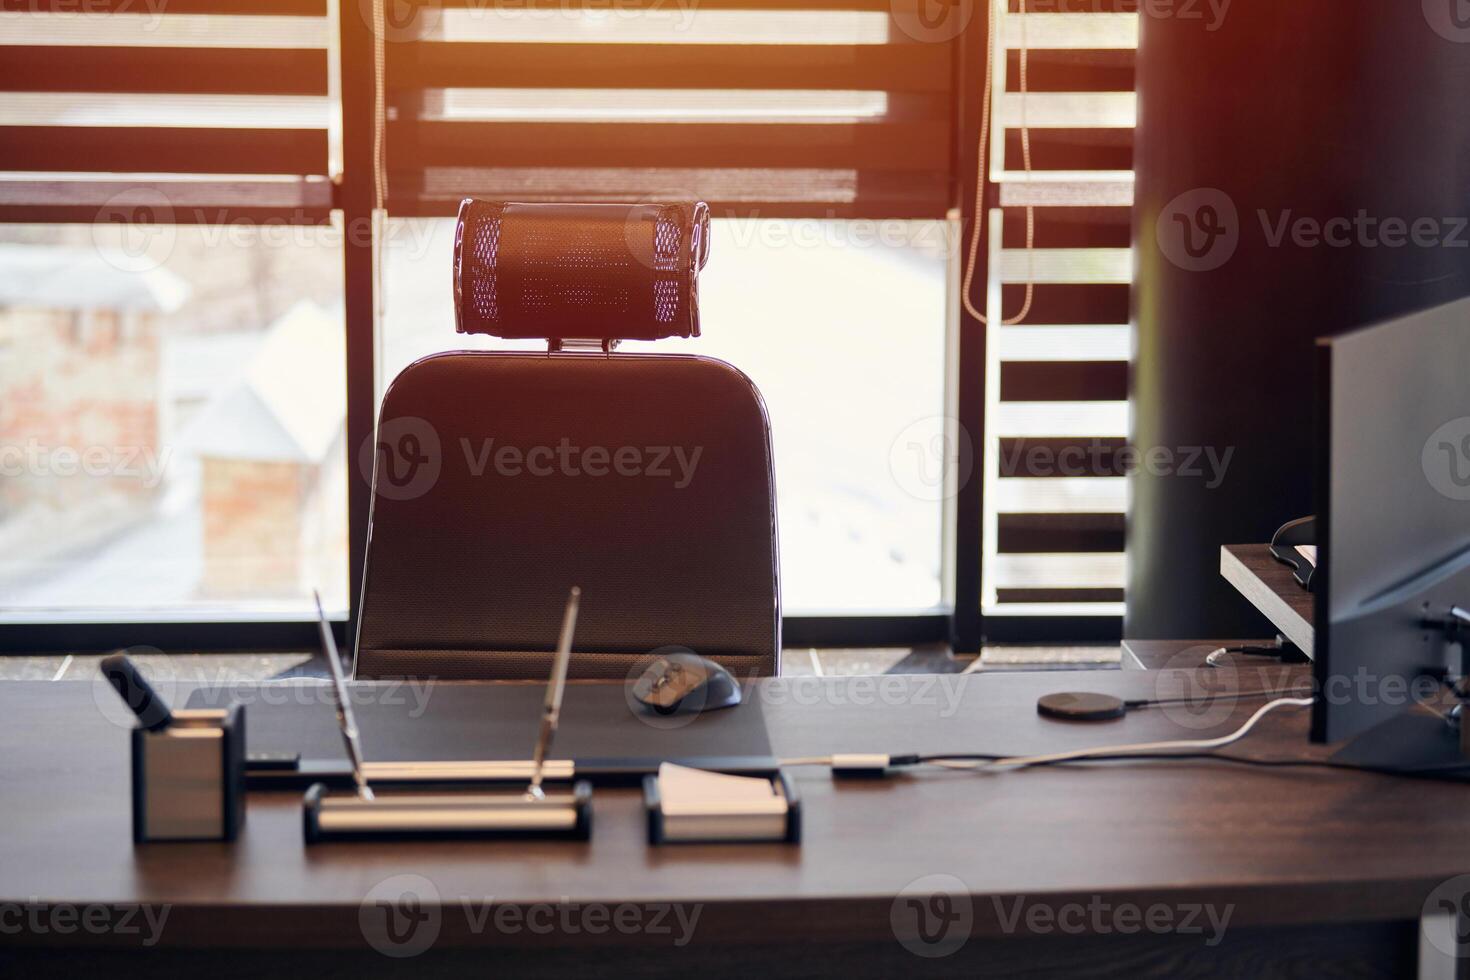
(1393, 511)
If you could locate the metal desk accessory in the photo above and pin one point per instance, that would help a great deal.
(531, 812)
(188, 766)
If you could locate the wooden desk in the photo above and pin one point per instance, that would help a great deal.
(1318, 870)
(1270, 587)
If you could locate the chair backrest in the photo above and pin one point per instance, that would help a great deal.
(502, 479)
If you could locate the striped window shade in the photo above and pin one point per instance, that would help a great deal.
(210, 108)
(1056, 380)
(829, 108)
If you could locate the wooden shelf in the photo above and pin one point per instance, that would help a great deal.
(1270, 587)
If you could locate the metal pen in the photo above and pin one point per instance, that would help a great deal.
(551, 707)
(345, 719)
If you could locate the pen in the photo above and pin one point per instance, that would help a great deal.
(153, 713)
(345, 719)
(551, 708)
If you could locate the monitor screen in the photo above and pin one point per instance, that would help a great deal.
(1393, 505)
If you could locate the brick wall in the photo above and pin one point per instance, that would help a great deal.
(86, 383)
(252, 527)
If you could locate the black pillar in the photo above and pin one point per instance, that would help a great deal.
(1303, 168)
(357, 199)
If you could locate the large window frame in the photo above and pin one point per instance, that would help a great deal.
(971, 628)
(960, 622)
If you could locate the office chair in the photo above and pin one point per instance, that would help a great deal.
(501, 479)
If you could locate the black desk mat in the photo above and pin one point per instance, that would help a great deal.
(403, 721)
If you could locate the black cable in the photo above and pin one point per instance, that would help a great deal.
(1225, 695)
(1278, 650)
(1219, 656)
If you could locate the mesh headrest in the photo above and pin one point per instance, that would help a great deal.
(596, 271)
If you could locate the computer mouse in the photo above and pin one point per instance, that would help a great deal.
(685, 683)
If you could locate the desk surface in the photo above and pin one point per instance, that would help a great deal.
(1284, 845)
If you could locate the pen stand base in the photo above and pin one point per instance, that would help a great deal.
(564, 813)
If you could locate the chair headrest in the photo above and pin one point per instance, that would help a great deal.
(596, 271)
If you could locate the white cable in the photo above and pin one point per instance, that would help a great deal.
(1018, 762)
(993, 26)
(380, 104)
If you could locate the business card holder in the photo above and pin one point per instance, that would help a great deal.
(694, 819)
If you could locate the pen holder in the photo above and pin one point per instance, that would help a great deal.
(189, 778)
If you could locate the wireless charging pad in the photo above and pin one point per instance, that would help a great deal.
(1081, 706)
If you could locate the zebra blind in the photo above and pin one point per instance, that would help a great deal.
(1056, 381)
(197, 105)
(837, 108)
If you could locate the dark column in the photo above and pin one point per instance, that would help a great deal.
(972, 49)
(1341, 126)
(356, 198)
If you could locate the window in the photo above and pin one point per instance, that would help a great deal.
(781, 111)
(821, 140)
(1056, 377)
(172, 386)
(206, 212)
(171, 437)
(845, 337)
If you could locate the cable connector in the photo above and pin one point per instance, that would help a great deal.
(868, 765)
(1454, 621)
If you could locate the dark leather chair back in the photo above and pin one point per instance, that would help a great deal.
(503, 479)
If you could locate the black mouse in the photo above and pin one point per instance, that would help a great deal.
(685, 683)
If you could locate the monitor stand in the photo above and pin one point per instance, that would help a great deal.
(1418, 741)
